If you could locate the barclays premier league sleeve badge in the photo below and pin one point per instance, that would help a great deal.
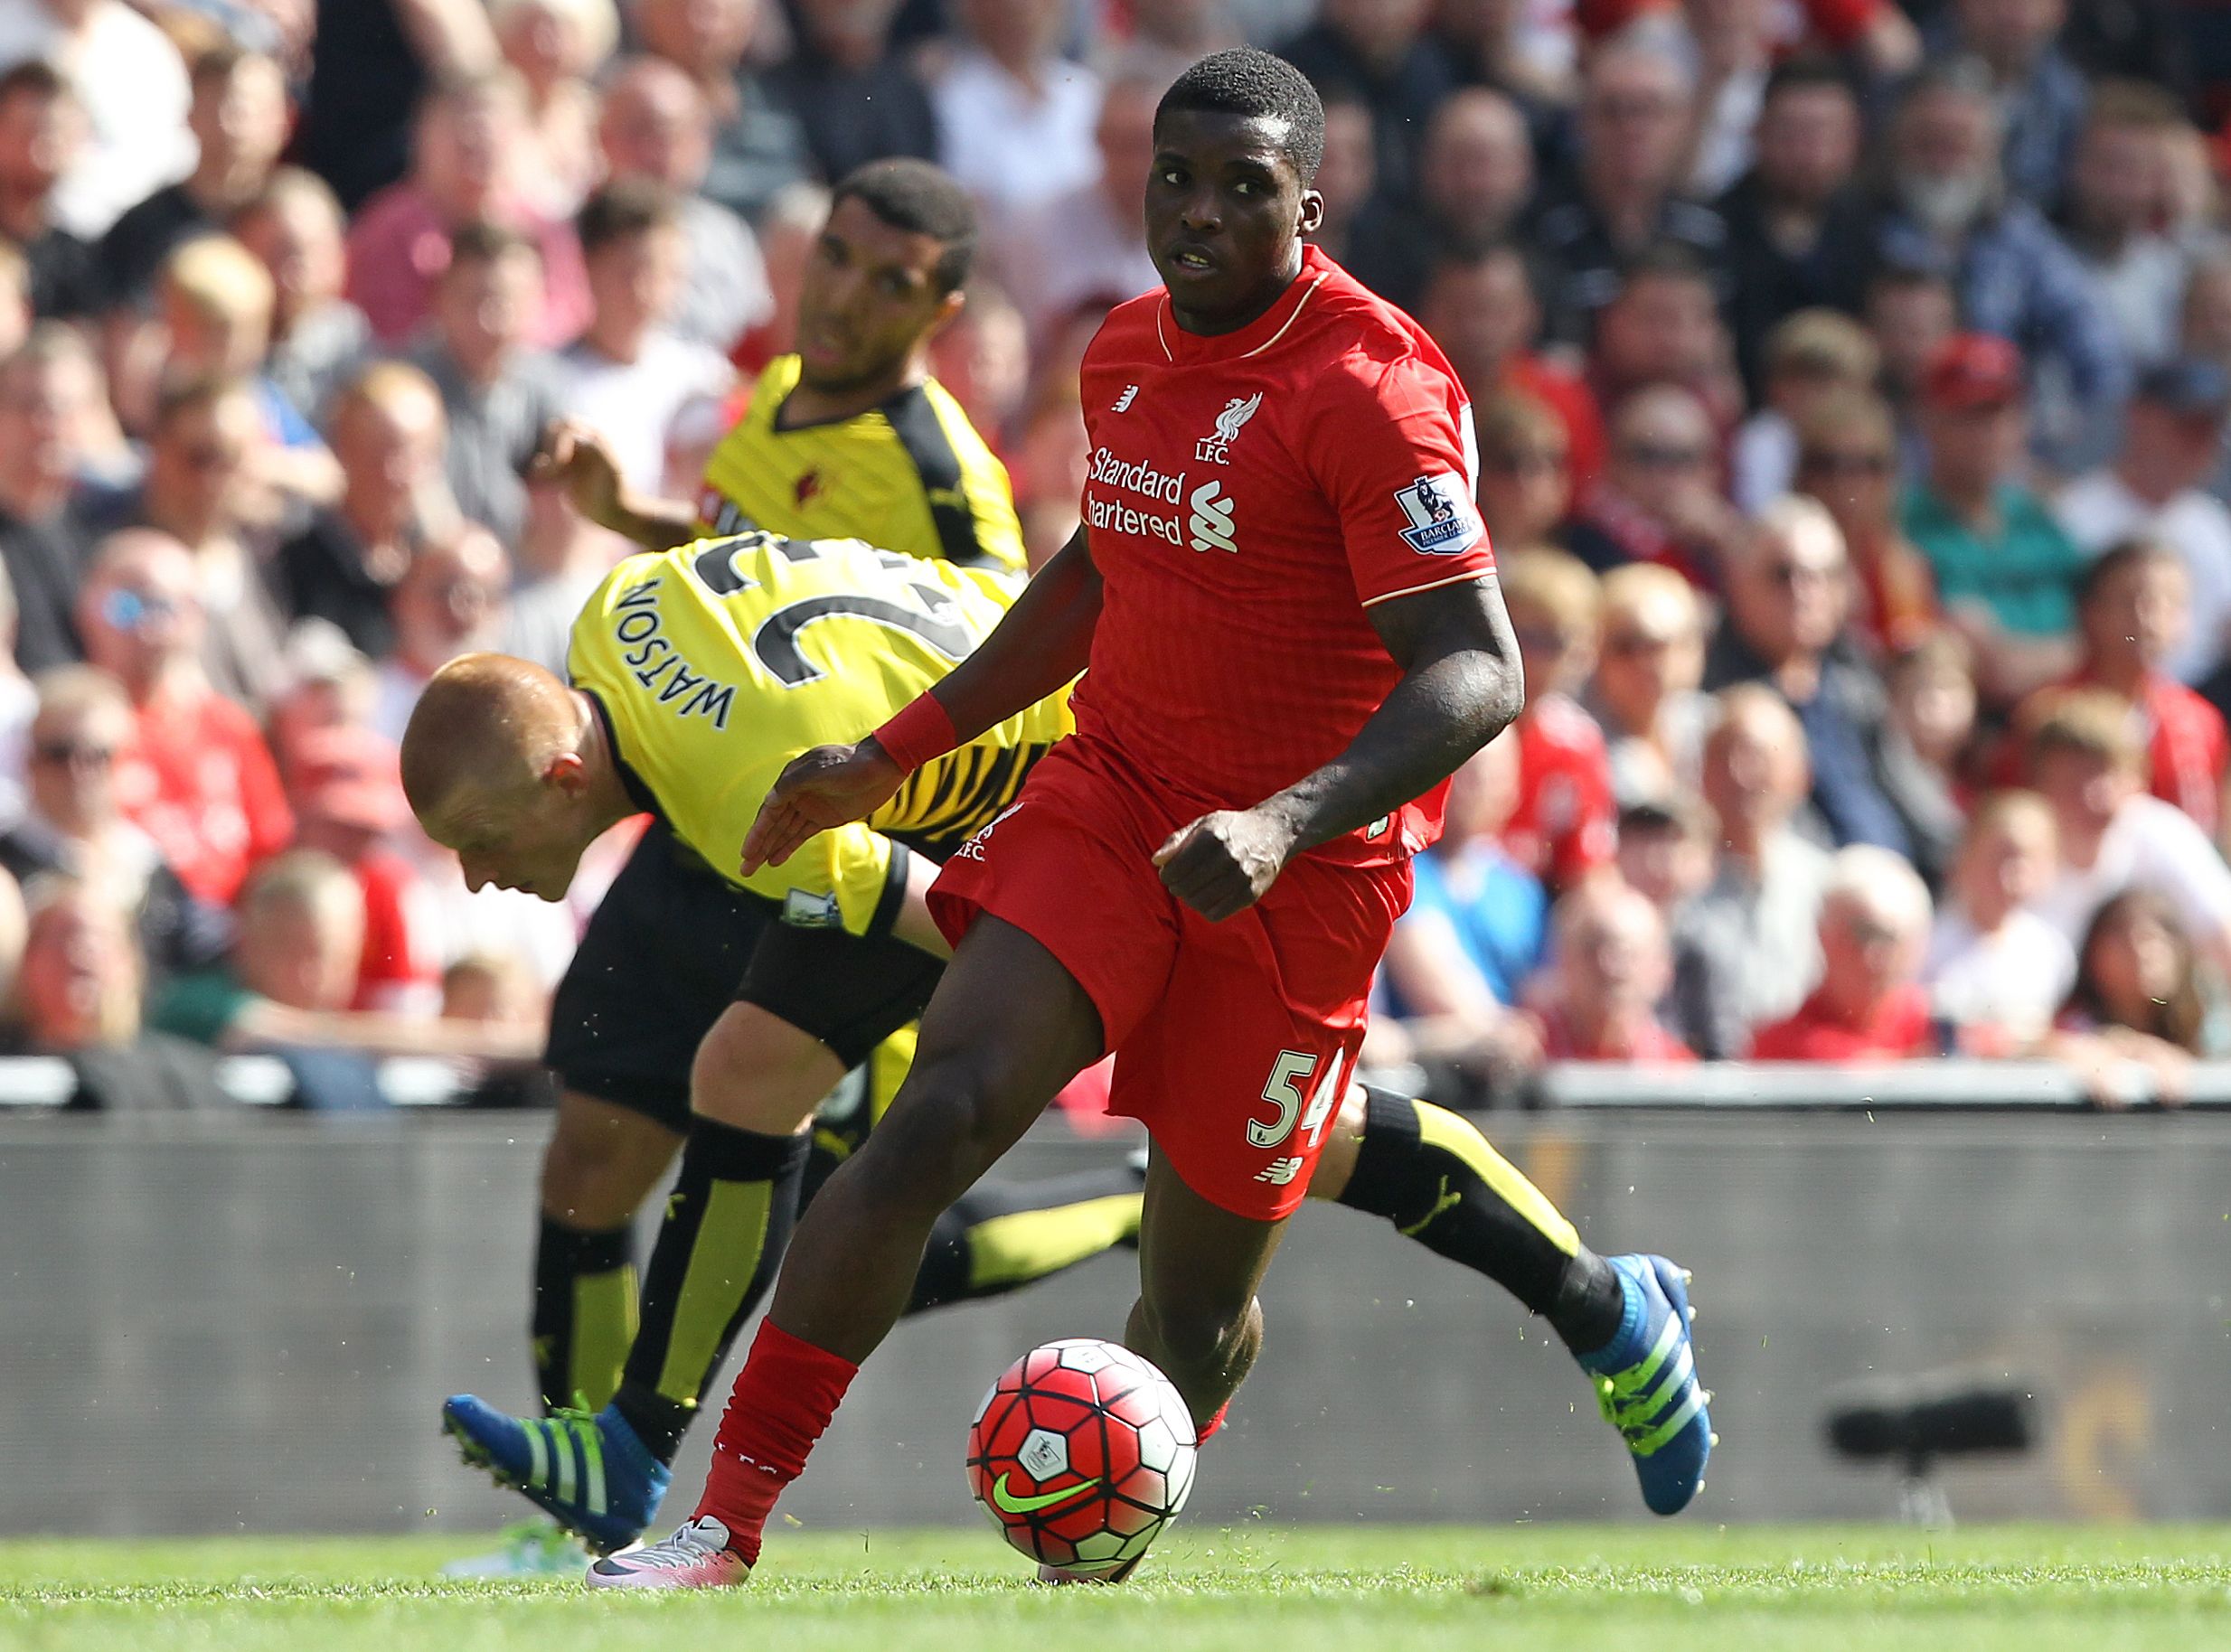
(1441, 515)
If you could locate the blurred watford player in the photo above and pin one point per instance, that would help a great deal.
(698, 673)
(849, 438)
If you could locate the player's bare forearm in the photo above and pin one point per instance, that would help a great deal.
(655, 524)
(1040, 643)
(1461, 686)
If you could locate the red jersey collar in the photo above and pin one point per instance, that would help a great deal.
(1258, 335)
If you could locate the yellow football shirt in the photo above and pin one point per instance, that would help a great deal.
(911, 475)
(715, 663)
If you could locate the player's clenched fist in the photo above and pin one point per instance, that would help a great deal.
(827, 786)
(576, 455)
(1224, 862)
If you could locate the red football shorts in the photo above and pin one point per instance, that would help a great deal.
(1235, 1041)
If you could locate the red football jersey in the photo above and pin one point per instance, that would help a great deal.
(1249, 496)
(1566, 822)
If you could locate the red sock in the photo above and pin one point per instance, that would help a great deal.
(1215, 1425)
(784, 1397)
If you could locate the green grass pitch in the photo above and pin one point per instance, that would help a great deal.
(1251, 1589)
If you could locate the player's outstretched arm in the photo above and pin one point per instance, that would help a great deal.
(1461, 686)
(576, 455)
(1041, 645)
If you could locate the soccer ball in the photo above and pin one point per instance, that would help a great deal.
(1081, 1453)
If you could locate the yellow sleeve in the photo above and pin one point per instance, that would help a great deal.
(991, 503)
(852, 878)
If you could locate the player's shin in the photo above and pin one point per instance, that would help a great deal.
(1433, 1175)
(727, 1224)
(584, 1316)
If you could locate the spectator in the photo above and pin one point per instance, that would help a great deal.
(1757, 914)
(1613, 967)
(1874, 935)
(42, 136)
(1565, 823)
(2136, 1003)
(1646, 692)
(196, 776)
(1088, 243)
(983, 356)
(497, 393)
(1910, 313)
(2133, 608)
(1623, 192)
(78, 997)
(2087, 758)
(75, 826)
(2003, 566)
(2042, 94)
(1997, 971)
(1663, 327)
(46, 388)
(239, 120)
(463, 169)
(1786, 601)
(201, 464)
(1347, 179)
(2118, 202)
(449, 602)
(1797, 224)
(1014, 117)
(1847, 458)
(1380, 48)
(789, 232)
(18, 700)
(345, 785)
(657, 129)
(391, 437)
(1478, 306)
(1526, 480)
(129, 79)
(318, 338)
(1665, 852)
(858, 99)
(289, 985)
(1812, 356)
(1475, 179)
(628, 375)
(1460, 957)
(556, 47)
(758, 147)
(1947, 209)
(370, 69)
(1658, 500)
(1926, 738)
(1526, 52)
(2172, 442)
(560, 560)
(1169, 36)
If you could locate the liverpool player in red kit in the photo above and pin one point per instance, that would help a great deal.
(1286, 609)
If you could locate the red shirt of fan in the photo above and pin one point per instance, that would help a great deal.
(1566, 822)
(1899, 1029)
(1248, 498)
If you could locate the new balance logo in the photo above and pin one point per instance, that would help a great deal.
(1124, 401)
(1280, 1172)
(1211, 523)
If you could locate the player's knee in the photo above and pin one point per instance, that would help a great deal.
(941, 1134)
(585, 1186)
(758, 1073)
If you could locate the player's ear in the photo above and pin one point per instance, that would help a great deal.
(566, 773)
(948, 308)
(1312, 213)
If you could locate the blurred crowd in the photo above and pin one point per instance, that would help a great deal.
(1851, 380)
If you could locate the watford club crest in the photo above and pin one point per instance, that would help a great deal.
(806, 488)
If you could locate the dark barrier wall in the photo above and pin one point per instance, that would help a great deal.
(250, 1326)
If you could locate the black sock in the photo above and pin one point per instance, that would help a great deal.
(727, 1224)
(584, 1313)
(999, 1235)
(1433, 1175)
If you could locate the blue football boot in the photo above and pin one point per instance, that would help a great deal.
(588, 1471)
(1645, 1381)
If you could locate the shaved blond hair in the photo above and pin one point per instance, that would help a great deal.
(490, 719)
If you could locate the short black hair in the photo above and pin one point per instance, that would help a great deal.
(1256, 85)
(1458, 254)
(1808, 70)
(623, 208)
(923, 200)
(1664, 260)
(2121, 554)
(485, 241)
(35, 76)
